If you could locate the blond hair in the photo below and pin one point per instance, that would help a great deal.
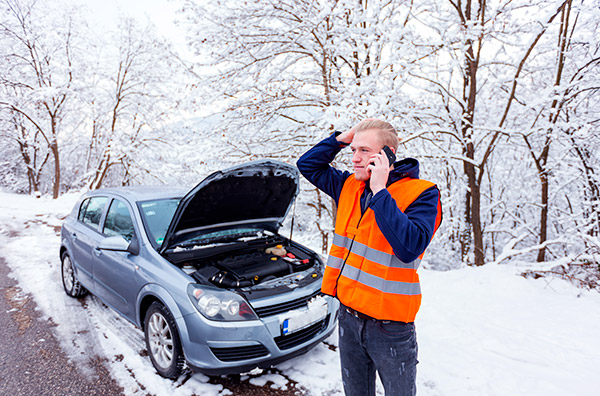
(387, 134)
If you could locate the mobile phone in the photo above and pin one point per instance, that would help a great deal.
(390, 154)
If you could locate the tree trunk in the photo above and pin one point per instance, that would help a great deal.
(24, 148)
(473, 208)
(102, 168)
(542, 162)
(544, 217)
(56, 187)
(54, 149)
(465, 237)
(473, 196)
(592, 194)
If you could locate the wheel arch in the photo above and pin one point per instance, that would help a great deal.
(151, 293)
(144, 305)
(62, 250)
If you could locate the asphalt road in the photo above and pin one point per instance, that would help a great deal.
(33, 362)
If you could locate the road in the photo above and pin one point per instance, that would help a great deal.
(33, 362)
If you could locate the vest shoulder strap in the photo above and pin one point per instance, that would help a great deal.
(406, 191)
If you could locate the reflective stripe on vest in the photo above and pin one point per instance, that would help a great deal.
(383, 258)
(362, 269)
(383, 285)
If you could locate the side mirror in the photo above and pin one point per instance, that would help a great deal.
(119, 244)
(134, 246)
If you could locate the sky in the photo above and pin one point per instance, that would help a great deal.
(103, 15)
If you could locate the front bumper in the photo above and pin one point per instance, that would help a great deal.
(217, 348)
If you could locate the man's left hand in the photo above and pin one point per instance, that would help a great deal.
(380, 169)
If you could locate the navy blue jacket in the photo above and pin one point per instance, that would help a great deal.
(408, 233)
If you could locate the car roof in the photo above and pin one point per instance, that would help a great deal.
(143, 193)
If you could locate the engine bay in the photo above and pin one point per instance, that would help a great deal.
(244, 264)
(251, 268)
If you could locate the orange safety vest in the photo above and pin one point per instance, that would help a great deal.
(373, 280)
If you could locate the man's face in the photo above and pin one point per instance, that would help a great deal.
(364, 145)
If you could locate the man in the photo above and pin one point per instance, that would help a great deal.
(385, 219)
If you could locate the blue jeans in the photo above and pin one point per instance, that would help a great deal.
(368, 346)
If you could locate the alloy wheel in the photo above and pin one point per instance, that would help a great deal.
(161, 340)
(67, 273)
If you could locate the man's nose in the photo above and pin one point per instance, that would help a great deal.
(356, 157)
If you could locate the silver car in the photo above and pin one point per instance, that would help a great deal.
(206, 274)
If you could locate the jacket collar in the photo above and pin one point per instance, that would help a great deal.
(408, 167)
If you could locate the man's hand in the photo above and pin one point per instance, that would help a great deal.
(380, 169)
(346, 137)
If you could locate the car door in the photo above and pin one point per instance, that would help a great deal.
(114, 271)
(85, 235)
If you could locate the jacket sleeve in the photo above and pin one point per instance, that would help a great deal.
(408, 232)
(314, 166)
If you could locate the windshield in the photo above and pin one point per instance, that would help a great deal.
(157, 216)
(224, 236)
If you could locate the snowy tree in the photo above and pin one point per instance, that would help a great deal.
(571, 74)
(491, 93)
(133, 90)
(491, 66)
(91, 106)
(498, 98)
(286, 74)
(37, 82)
(281, 71)
(31, 150)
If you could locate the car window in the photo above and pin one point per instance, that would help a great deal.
(93, 210)
(82, 208)
(157, 217)
(118, 221)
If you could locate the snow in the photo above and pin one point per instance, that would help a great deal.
(490, 332)
(481, 331)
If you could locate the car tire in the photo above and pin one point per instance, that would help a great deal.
(162, 341)
(69, 279)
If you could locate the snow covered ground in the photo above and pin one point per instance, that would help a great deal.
(481, 331)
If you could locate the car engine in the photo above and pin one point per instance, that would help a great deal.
(251, 268)
(243, 265)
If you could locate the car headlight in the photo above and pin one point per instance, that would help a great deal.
(219, 304)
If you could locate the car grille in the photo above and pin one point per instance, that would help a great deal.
(286, 306)
(291, 340)
(240, 353)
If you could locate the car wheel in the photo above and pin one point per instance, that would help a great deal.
(70, 283)
(162, 341)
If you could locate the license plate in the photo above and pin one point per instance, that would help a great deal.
(301, 318)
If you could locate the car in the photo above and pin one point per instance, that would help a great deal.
(204, 273)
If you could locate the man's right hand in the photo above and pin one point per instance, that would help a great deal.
(346, 137)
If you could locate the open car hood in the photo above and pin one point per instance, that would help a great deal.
(258, 193)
